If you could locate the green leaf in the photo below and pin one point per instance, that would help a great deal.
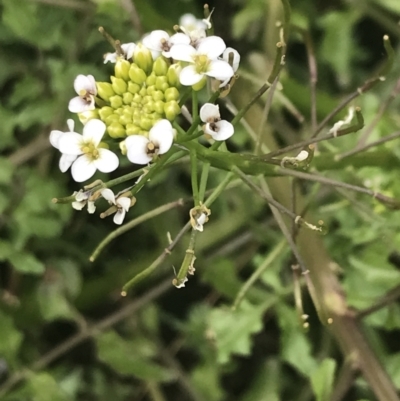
(233, 329)
(26, 263)
(130, 357)
(44, 387)
(10, 338)
(206, 379)
(322, 380)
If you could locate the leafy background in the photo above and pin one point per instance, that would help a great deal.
(66, 334)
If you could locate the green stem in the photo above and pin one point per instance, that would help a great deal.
(203, 181)
(195, 105)
(188, 260)
(195, 184)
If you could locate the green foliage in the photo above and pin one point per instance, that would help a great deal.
(322, 380)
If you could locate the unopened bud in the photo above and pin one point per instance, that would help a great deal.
(115, 102)
(136, 74)
(200, 85)
(171, 110)
(116, 130)
(119, 85)
(105, 90)
(171, 94)
(122, 69)
(160, 66)
(85, 116)
(143, 58)
(173, 73)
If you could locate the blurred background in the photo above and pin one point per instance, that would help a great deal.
(66, 333)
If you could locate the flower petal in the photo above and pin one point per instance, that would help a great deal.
(70, 143)
(189, 76)
(155, 39)
(71, 124)
(110, 57)
(79, 105)
(236, 57)
(224, 130)
(91, 207)
(179, 38)
(209, 112)
(183, 52)
(66, 162)
(162, 135)
(78, 205)
(136, 146)
(85, 82)
(108, 195)
(128, 49)
(119, 216)
(212, 46)
(82, 169)
(108, 161)
(54, 137)
(124, 202)
(220, 69)
(94, 131)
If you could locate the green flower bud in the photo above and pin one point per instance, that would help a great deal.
(143, 58)
(104, 145)
(125, 119)
(151, 89)
(119, 85)
(159, 107)
(137, 98)
(127, 98)
(105, 111)
(160, 66)
(116, 130)
(200, 84)
(111, 119)
(132, 129)
(85, 116)
(171, 94)
(146, 123)
(133, 88)
(143, 92)
(137, 75)
(116, 102)
(158, 95)
(171, 110)
(122, 146)
(122, 69)
(146, 99)
(105, 90)
(151, 79)
(162, 83)
(173, 73)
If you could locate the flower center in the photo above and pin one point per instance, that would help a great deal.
(201, 62)
(85, 95)
(90, 150)
(152, 149)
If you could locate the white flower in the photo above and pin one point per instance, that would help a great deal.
(203, 60)
(142, 150)
(159, 41)
(127, 48)
(220, 130)
(82, 198)
(86, 146)
(123, 203)
(189, 22)
(85, 87)
(65, 160)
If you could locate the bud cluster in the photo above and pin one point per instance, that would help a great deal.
(139, 95)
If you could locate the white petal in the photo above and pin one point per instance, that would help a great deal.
(110, 57)
(302, 156)
(82, 195)
(183, 52)
(91, 208)
(78, 205)
(107, 161)
(179, 38)
(70, 143)
(66, 162)
(236, 57)
(212, 46)
(137, 149)
(128, 49)
(189, 76)
(224, 131)
(188, 21)
(82, 169)
(124, 202)
(108, 195)
(162, 135)
(85, 82)
(155, 39)
(94, 131)
(119, 216)
(54, 137)
(220, 69)
(71, 124)
(209, 112)
(79, 105)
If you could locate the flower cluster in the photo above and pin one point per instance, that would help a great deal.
(135, 112)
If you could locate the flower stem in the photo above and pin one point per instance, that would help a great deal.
(194, 179)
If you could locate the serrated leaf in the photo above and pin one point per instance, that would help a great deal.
(233, 329)
(322, 380)
(129, 357)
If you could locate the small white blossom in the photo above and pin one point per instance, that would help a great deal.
(123, 203)
(127, 48)
(85, 87)
(86, 146)
(142, 150)
(203, 60)
(220, 130)
(160, 42)
(65, 159)
(82, 198)
(189, 22)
